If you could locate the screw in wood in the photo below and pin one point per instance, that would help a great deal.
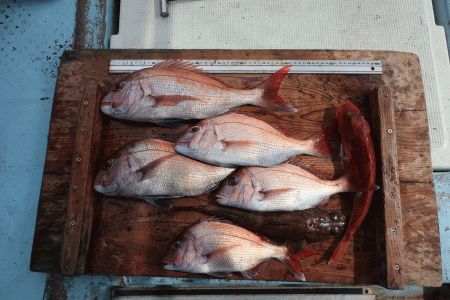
(392, 170)
(397, 267)
(387, 96)
(392, 195)
(83, 128)
(75, 186)
(394, 231)
(73, 223)
(78, 159)
(390, 130)
(67, 266)
(85, 103)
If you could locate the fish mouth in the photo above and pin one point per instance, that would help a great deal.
(169, 264)
(221, 198)
(103, 104)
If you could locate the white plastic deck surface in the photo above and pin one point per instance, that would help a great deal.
(394, 25)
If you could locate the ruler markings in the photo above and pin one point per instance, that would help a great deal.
(261, 66)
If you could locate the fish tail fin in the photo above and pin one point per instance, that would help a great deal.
(269, 98)
(340, 250)
(292, 261)
(321, 142)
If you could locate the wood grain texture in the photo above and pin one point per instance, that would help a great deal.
(386, 131)
(80, 202)
(129, 237)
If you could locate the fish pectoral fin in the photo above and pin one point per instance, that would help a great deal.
(220, 274)
(148, 101)
(218, 252)
(236, 144)
(173, 100)
(256, 270)
(158, 202)
(270, 194)
(151, 168)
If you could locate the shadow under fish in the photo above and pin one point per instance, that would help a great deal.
(313, 225)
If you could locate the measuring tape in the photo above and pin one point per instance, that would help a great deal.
(259, 66)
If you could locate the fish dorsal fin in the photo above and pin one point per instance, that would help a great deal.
(150, 169)
(312, 170)
(186, 66)
(256, 270)
(216, 220)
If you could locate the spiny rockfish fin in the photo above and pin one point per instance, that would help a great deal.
(256, 270)
(220, 274)
(270, 98)
(310, 169)
(340, 250)
(219, 251)
(322, 147)
(186, 66)
(158, 202)
(173, 100)
(293, 264)
(268, 195)
(169, 124)
(151, 168)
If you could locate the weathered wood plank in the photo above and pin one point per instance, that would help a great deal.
(414, 146)
(386, 132)
(81, 196)
(421, 234)
(50, 220)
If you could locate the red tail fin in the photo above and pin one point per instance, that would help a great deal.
(270, 98)
(293, 264)
(322, 147)
(340, 250)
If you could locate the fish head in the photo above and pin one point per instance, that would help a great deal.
(239, 189)
(113, 175)
(123, 98)
(200, 138)
(183, 254)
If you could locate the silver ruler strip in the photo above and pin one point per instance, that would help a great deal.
(261, 66)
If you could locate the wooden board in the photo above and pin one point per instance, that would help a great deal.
(129, 237)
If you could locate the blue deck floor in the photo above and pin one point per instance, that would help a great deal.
(33, 36)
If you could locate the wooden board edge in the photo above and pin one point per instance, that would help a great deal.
(383, 120)
(80, 205)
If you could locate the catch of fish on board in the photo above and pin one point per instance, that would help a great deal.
(268, 198)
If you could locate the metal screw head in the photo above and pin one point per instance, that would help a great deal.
(387, 96)
(392, 195)
(85, 103)
(75, 186)
(390, 130)
(78, 159)
(73, 223)
(394, 231)
(67, 266)
(397, 267)
(83, 128)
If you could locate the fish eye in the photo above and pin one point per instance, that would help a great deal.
(334, 216)
(194, 129)
(118, 86)
(108, 164)
(334, 231)
(233, 181)
(176, 245)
